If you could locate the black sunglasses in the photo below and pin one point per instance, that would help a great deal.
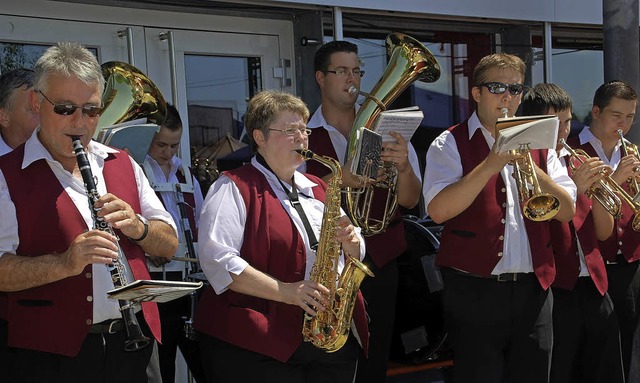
(500, 88)
(69, 109)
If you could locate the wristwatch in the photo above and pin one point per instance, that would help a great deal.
(145, 222)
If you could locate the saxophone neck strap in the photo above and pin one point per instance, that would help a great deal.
(295, 202)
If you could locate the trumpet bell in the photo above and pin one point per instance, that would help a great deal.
(541, 207)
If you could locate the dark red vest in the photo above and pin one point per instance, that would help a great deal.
(473, 240)
(565, 248)
(260, 325)
(624, 238)
(56, 317)
(382, 247)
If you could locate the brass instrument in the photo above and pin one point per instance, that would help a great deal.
(628, 148)
(606, 194)
(409, 61)
(536, 205)
(329, 329)
(128, 95)
(618, 191)
(136, 340)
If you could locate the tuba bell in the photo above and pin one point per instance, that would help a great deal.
(409, 61)
(129, 95)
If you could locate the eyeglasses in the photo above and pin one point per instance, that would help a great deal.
(342, 72)
(69, 109)
(500, 88)
(293, 131)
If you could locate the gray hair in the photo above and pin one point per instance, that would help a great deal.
(11, 81)
(71, 60)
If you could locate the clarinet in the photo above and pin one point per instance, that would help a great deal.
(135, 338)
(189, 331)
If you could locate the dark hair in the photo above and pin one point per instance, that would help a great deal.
(323, 54)
(172, 121)
(12, 80)
(542, 97)
(611, 89)
(265, 107)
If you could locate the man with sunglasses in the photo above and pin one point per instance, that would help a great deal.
(62, 327)
(337, 69)
(496, 264)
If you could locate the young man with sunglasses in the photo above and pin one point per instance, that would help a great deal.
(586, 336)
(338, 69)
(62, 326)
(614, 108)
(496, 264)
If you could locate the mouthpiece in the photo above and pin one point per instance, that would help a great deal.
(352, 90)
(305, 153)
(505, 112)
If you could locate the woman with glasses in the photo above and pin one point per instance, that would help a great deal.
(258, 230)
(497, 265)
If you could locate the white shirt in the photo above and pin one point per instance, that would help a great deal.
(151, 207)
(4, 148)
(223, 219)
(444, 167)
(586, 136)
(340, 143)
(584, 271)
(161, 184)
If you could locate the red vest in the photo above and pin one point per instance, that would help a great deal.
(56, 317)
(473, 240)
(565, 248)
(382, 247)
(624, 238)
(260, 325)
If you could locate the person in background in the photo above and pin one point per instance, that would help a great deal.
(337, 68)
(258, 230)
(17, 120)
(180, 194)
(586, 336)
(62, 326)
(496, 263)
(614, 108)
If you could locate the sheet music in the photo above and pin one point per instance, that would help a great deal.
(154, 291)
(404, 121)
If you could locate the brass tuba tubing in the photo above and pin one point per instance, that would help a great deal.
(606, 195)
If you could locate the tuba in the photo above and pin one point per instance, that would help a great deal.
(329, 329)
(409, 61)
(128, 95)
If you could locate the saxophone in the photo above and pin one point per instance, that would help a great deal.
(329, 329)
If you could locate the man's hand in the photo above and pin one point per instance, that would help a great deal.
(94, 246)
(119, 215)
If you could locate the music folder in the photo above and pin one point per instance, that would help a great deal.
(530, 132)
(154, 291)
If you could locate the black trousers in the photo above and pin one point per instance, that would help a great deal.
(102, 359)
(379, 294)
(500, 332)
(173, 336)
(586, 337)
(226, 363)
(624, 289)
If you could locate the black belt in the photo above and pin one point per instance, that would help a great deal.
(110, 326)
(504, 277)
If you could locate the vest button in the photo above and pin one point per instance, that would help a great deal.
(500, 254)
(620, 243)
(89, 298)
(88, 275)
(501, 237)
(502, 220)
(89, 321)
(620, 229)
(503, 190)
(504, 204)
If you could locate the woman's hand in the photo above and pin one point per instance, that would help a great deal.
(311, 296)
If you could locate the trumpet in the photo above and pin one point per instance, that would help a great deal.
(536, 205)
(630, 149)
(612, 194)
(606, 194)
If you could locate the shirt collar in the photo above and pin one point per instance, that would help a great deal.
(303, 184)
(34, 150)
(176, 163)
(586, 135)
(317, 120)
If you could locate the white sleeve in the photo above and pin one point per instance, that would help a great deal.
(442, 168)
(558, 174)
(221, 234)
(9, 222)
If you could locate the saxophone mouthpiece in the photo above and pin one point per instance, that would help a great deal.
(305, 153)
(352, 90)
